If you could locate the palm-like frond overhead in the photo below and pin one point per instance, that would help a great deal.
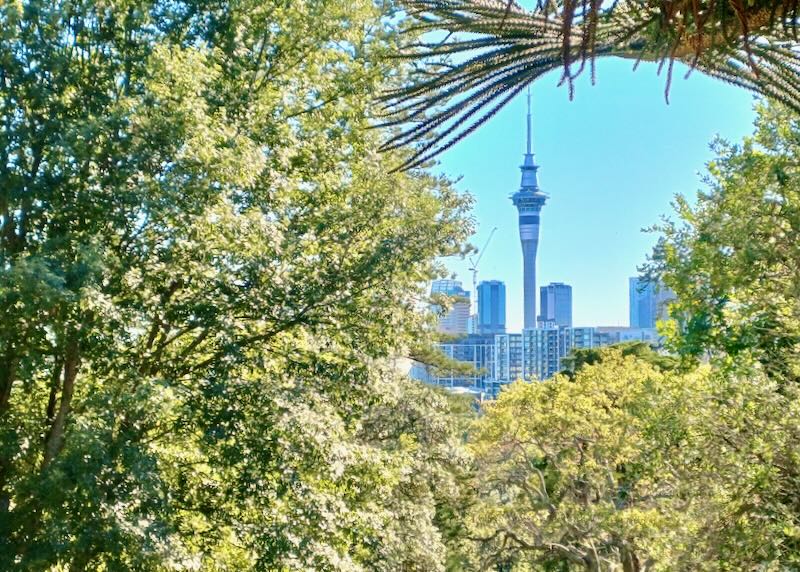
(498, 48)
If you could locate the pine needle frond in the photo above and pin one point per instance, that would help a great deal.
(495, 48)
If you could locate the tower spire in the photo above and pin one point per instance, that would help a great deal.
(529, 122)
(529, 179)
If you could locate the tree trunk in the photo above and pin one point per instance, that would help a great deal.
(55, 387)
(54, 440)
(8, 371)
(630, 563)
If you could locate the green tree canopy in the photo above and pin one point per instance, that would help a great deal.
(581, 357)
(577, 473)
(733, 258)
(627, 467)
(205, 270)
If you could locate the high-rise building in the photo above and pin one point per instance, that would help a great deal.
(475, 350)
(555, 305)
(491, 307)
(529, 201)
(545, 347)
(664, 296)
(510, 357)
(456, 320)
(649, 302)
(640, 303)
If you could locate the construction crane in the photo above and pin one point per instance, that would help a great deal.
(474, 269)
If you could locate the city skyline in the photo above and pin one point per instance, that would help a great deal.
(600, 199)
(646, 305)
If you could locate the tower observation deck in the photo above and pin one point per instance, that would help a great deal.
(529, 201)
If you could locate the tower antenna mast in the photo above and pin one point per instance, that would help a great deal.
(528, 152)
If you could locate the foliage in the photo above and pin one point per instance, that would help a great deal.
(581, 357)
(576, 471)
(626, 467)
(733, 258)
(207, 272)
(749, 474)
(493, 49)
(204, 270)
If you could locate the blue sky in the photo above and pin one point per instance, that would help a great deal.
(611, 160)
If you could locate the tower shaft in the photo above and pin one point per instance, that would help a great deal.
(529, 248)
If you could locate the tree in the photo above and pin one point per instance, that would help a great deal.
(498, 48)
(626, 467)
(584, 473)
(204, 268)
(733, 259)
(581, 357)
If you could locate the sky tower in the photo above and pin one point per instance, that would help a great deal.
(529, 201)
